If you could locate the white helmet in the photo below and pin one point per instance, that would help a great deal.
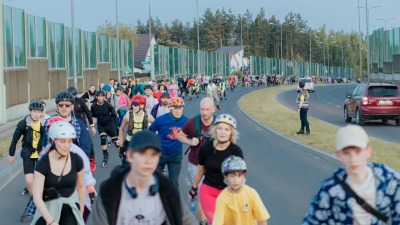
(226, 118)
(61, 129)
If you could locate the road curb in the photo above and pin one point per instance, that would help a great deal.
(306, 148)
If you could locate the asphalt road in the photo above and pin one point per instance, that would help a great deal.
(285, 175)
(326, 104)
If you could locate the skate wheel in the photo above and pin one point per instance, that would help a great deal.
(105, 164)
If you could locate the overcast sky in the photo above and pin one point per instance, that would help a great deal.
(335, 14)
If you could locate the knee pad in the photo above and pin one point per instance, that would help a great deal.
(103, 139)
(114, 140)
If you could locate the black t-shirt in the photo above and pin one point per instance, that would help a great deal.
(104, 113)
(212, 160)
(184, 83)
(67, 183)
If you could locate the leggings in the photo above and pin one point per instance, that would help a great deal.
(208, 199)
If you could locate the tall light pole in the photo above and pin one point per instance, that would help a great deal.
(152, 76)
(342, 46)
(280, 62)
(367, 34)
(310, 49)
(385, 44)
(3, 99)
(241, 34)
(73, 45)
(118, 59)
(198, 39)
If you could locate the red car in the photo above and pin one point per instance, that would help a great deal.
(373, 101)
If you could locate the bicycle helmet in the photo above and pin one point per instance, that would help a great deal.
(65, 96)
(52, 120)
(36, 105)
(226, 118)
(176, 102)
(119, 88)
(233, 164)
(73, 90)
(100, 93)
(148, 86)
(61, 129)
(139, 99)
(301, 84)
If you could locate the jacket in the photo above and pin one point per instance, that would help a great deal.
(105, 209)
(24, 129)
(81, 110)
(332, 205)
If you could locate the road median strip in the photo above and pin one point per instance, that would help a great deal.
(263, 106)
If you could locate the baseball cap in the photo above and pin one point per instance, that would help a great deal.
(165, 95)
(143, 140)
(351, 135)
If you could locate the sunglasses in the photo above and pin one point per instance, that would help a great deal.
(135, 104)
(64, 105)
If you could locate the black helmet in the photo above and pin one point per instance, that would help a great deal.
(36, 105)
(100, 92)
(119, 88)
(73, 90)
(65, 96)
(301, 84)
(148, 86)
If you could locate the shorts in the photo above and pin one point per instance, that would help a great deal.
(29, 165)
(208, 200)
(109, 129)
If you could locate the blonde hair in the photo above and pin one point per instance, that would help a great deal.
(234, 133)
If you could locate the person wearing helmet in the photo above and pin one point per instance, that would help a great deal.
(302, 103)
(238, 203)
(59, 186)
(65, 106)
(109, 97)
(221, 89)
(31, 128)
(107, 123)
(196, 88)
(211, 155)
(90, 181)
(81, 110)
(168, 127)
(212, 92)
(137, 120)
(150, 100)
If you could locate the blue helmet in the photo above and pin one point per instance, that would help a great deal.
(232, 164)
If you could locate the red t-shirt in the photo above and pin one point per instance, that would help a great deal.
(157, 95)
(190, 83)
(190, 131)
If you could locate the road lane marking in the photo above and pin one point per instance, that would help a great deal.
(338, 106)
(329, 103)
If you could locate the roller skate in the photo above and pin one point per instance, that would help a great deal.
(105, 159)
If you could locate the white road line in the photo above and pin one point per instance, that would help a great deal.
(330, 103)
(338, 106)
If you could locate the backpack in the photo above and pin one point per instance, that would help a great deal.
(197, 125)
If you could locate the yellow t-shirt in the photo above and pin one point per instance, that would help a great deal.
(243, 208)
(35, 138)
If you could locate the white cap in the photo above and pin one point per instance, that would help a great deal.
(351, 135)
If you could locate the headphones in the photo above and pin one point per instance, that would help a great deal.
(153, 190)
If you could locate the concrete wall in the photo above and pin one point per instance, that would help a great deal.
(37, 81)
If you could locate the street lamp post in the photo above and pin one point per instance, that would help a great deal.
(342, 46)
(118, 59)
(281, 45)
(73, 45)
(367, 34)
(198, 39)
(310, 49)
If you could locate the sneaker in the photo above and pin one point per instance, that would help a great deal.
(299, 132)
(25, 191)
(307, 133)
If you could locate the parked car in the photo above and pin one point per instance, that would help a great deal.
(309, 85)
(373, 101)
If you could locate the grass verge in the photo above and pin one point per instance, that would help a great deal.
(4, 145)
(263, 106)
